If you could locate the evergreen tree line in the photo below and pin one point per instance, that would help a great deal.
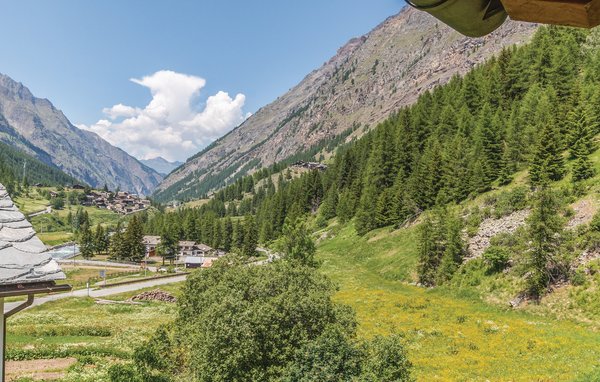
(14, 176)
(520, 110)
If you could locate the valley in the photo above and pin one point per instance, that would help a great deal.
(422, 207)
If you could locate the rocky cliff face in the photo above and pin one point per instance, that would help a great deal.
(36, 127)
(368, 78)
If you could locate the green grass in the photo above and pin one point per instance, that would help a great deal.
(80, 328)
(32, 202)
(53, 228)
(450, 337)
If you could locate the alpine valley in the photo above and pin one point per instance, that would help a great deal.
(35, 127)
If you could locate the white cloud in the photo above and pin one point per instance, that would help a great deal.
(169, 126)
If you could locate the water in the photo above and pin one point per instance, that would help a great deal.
(63, 253)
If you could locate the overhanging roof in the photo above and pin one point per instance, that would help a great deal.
(22, 254)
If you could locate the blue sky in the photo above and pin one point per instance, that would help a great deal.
(82, 55)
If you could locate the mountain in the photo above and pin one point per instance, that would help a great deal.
(369, 78)
(161, 165)
(37, 128)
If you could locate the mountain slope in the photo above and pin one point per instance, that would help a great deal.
(36, 127)
(367, 79)
(161, 165)
(14, 164)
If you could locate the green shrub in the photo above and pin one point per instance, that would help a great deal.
(578, 277)
(496, 258)
(508, 202)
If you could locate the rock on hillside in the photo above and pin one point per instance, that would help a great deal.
(36, 127)
(368, 78)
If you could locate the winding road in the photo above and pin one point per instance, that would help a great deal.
(96, 293)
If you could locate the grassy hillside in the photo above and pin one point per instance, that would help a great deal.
(54, 228)
(451, 337)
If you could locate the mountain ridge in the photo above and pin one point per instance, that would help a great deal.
(161, 165)
(369, 78)
(35, 126)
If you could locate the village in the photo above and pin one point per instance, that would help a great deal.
(121, 202)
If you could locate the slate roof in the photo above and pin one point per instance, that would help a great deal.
(22, 254)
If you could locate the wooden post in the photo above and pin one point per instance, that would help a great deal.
(3, 339)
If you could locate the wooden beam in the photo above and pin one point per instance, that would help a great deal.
(576, 13)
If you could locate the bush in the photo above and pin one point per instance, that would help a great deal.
(277, 322)
(510, 201)
(595, 223)
(496, 258)
(386, 360)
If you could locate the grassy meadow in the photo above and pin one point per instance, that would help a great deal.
(451, 337)
(96, 335)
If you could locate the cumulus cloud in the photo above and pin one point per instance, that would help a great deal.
(170, 126)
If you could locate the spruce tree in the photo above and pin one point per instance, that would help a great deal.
(545, 227)
(133, 237)
(430, 248)
(86, 242)
(581, 127)
(101, 241)
(454, 249)
(250, 237)
(548, 161)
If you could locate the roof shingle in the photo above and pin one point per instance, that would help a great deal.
(22, 253)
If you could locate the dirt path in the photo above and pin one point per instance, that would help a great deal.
(38, 370)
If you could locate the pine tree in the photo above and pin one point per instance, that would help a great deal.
(454, 250)
(490, 141)
(101, 240)
(430, 248)
(168, 247)
(86, 242)
(545, 227)
(133, 238)
(328, 209)
(581, 127)
(345, 208)
(118, 248)
(227, 234)
(250, 237)
(547, 159)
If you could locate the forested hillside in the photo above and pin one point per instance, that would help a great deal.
(519, 110)
(14, 165)
(369, 77)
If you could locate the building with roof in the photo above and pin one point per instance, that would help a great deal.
(186, 249)
(25, 267)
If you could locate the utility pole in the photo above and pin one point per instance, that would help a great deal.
(24, 171)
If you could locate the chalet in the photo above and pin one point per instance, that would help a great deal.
(185, 249)
(78, 187)
(310, 165)
(151, 242)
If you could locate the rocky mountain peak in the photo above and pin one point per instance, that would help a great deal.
(370, 77)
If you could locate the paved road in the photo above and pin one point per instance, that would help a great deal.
(101, 292)
(48, 210)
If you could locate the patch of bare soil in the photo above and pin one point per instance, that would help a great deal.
(39, 369)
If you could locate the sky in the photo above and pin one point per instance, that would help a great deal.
(166, 78)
